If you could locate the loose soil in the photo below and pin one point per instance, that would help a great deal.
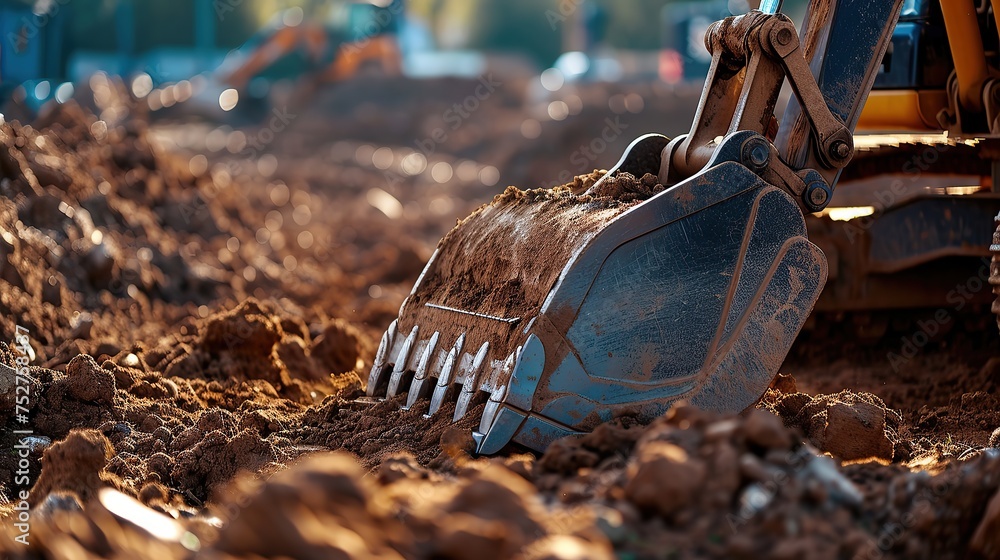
(201, 330)
(504, 259)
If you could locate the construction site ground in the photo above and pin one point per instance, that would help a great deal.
(203, 302)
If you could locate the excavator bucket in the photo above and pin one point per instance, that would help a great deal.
(561, 310)
(549, 312)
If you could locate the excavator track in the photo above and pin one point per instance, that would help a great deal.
(906, 225)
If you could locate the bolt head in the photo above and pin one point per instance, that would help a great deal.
(784, 36)
(817, 195)
(840, 149)
(759, 155)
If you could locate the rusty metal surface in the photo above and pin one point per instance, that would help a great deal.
(752, 55)
(844, 42)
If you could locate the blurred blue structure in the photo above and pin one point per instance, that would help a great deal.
(33, 52)
(684, 56)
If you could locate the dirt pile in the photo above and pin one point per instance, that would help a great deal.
(251, 344)
(75, 465)
(706, 486)
(201, 336)
(114, 256)
(502, 260)
(325, 507)
(625, 187)
(181, 422)
(530, 234)
(945, 396)
(690, 482)
(105, 239)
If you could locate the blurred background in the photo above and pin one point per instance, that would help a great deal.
(420, 109)
(65, 40)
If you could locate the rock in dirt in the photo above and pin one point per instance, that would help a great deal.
(664, 478)
(853, 432)
(851, 426)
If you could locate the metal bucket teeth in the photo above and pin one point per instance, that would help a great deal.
(419, 387)
(444, 380)
(470, 386)
(388, 337)
(497, 392)
(492, 407)
(399, 370)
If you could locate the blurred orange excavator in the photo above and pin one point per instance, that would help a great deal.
(550, 312)
(357, 35)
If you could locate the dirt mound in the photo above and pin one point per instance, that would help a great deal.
(627, 188)
(745, 487)
(253, 345)
(945, 394)
(82, 397)
(710, 486)
(192, 429)
(75, 465)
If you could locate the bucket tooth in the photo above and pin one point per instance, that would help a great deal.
(497, 391)
(444, 380)
(471, 384)
(399, 370)
(380, 358)
(500, 376)
(444, 383)
(418, 387)
(492, 407)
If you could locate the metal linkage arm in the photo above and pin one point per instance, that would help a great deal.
(752, 55)
(835, 141)
(843, 46)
